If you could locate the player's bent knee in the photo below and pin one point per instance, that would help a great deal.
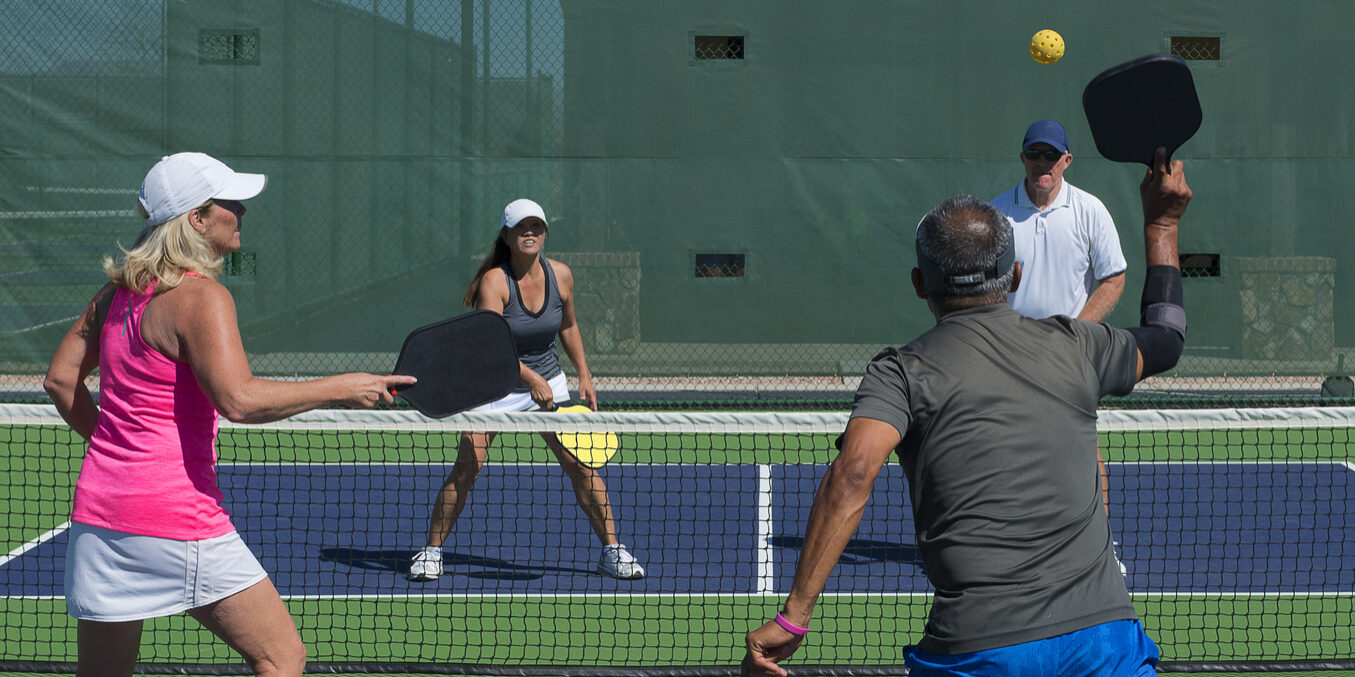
(466, 471)
(285, 661)
(581, 474)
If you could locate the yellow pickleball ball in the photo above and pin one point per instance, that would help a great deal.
(1046, 47)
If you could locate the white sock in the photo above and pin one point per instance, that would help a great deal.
(433, 550)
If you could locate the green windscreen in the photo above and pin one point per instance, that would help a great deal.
(734, 185)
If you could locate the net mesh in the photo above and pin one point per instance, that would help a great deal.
(1235, 527)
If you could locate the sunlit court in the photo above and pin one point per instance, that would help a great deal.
(537, 346)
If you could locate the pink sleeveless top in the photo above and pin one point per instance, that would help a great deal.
(151, 464)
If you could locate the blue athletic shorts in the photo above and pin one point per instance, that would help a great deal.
(1114, 649)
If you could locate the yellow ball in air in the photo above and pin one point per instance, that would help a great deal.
(1046, 47)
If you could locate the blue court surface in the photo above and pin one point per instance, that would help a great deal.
(344, 530)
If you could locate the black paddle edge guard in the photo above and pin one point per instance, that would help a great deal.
(52, 667)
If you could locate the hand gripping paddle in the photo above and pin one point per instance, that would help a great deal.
(1139, 105)
(460, 363)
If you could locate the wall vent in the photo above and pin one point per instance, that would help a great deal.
(228, 46)
(1197, 48)
(1200, 265)
(719, 48)
(719, 265)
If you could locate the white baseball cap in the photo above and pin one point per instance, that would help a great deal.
(520, 209)
(180, 182)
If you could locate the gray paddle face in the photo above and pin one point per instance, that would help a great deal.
(1139, 105)
(460, 363)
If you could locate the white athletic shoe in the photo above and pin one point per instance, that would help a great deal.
(618, 563)
(1115, 548)
(426, 566)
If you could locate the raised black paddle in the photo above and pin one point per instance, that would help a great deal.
(460, 363)
(1140, 105)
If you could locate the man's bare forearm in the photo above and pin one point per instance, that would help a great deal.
(1103, 299)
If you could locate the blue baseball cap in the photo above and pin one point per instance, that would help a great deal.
(1046, 131)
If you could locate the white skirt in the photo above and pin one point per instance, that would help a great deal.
(559, 387)
(114, 576)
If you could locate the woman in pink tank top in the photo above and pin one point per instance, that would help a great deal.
(164, 336)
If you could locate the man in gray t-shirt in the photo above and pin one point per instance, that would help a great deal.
(955, 392)
(993, 416)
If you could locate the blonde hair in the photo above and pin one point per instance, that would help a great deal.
(163, 255)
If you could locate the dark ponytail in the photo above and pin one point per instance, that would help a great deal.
(498, 255)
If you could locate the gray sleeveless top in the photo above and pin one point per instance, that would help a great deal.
(534, 333)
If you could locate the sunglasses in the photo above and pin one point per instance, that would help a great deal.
(1034, 154)
(233, 206)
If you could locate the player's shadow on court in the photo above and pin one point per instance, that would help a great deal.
(398, 561)
(861, 550)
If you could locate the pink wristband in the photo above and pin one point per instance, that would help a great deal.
(790, 627)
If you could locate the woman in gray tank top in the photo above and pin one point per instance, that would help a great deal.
(536, 295)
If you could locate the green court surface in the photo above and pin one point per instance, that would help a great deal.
(701, 631)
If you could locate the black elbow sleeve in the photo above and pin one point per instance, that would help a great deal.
(1160, 348)
(1161, 334)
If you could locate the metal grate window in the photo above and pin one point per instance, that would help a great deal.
(719, 265)
(1196, 48)
(719, 47)
(228, 46)
(1200, 265)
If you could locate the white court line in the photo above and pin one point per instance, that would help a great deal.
(766, 571)
(1339, 593)
(20, 272)
(728, 595)
(447, 461)
(19, 551)
(36, 327)
(602, 595)
(772, 593)
(78, 190)
(683, 464)
(78, 214)
(1256, 462)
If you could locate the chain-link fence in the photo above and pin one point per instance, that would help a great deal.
(735, 185)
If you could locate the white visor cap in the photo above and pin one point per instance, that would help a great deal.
(180, 182)
(520, 209)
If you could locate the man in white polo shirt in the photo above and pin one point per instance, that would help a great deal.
(1066, 242)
